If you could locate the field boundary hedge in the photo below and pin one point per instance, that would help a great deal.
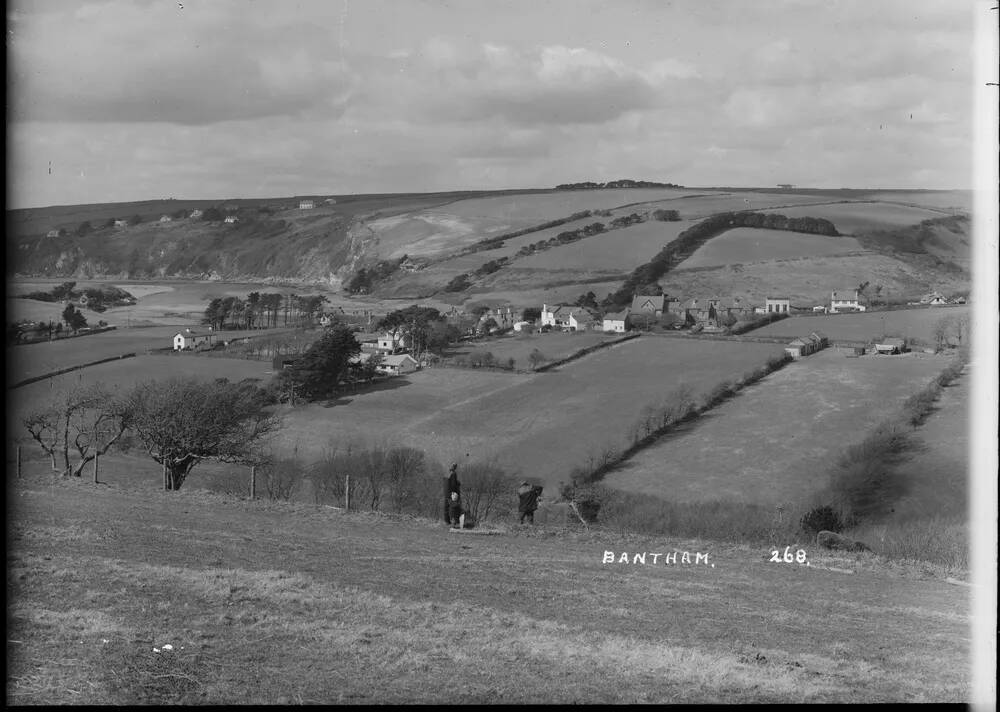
(672, 416)
(51, 374)
(584, 351)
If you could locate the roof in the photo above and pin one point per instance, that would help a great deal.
(617, 316)
(362, 337)
(845, 292)
(892, 341)
(190, 333)
(819, 335)
(777, 299)
(642, 303)
(582, 315)
(397, 359)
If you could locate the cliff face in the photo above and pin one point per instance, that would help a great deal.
(315, 249)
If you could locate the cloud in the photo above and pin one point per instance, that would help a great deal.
(127, 62)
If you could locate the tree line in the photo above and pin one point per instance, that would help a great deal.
(262, 310)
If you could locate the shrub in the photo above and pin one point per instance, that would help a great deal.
(819, 519)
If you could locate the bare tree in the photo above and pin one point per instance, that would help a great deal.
(85, 421)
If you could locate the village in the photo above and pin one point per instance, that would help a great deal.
(390, 353)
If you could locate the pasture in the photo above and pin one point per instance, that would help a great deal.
(270, 603)
(851, 218)
(554, 345)
(808, 281)
(771, 442)
(461, 223)
(710, 202)
(623, 249)
(951, 200)
(538, 425)
(938, 475)
(126, 372)
(745, 244)
(917, 323)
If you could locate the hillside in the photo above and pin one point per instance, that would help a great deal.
(505, 243)
(281, 603)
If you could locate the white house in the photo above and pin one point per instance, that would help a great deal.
(306, 204)
(52, 233)
(196, 214)
(395, 364)
(232, 219)
(845, 300)
(777, 305)
(391, 342)
(188, 339)
(566, 317)
(617, 322)
(121, 224)
(166, 218)
(891, 345)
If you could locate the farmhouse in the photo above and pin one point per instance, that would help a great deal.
(52, 233)
(306, 204)
(648, 304)
(777, 305)
(845, 300)
(231, 219)
(121, 224)
(617, 322)
(503, 317)
(700, 312)
(566, 317)
(196, 214)
(166, 218)
(891, 345)
(396, 364)
(389, 342)
(581, 320)
(188, 339)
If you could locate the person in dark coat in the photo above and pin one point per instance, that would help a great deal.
(451, 485)
(455, 511)
(528, 501)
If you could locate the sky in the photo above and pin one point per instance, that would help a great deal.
(123, 100)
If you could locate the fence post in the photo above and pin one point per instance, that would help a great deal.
(347, 493)
(96, 457)
(18, 462)
(253, 481)
(165, 487)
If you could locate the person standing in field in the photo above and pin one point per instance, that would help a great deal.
(528, 495)
(452, 486)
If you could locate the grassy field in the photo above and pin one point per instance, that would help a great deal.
(711, 202)
(129, 371)
(553, 345)
(939, 474)
(623, 249)
(809, 280)
(354, 608)
(769, 444)
(909, 323)
(445, 229)
(854, 217)
(539, 425)
(745, 244)
(941, 199)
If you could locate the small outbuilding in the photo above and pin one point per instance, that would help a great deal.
(396, 364)
(190, 339)
(891, 345)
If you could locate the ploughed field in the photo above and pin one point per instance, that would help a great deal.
(772, 442)
(539, 425)
(282, 603)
